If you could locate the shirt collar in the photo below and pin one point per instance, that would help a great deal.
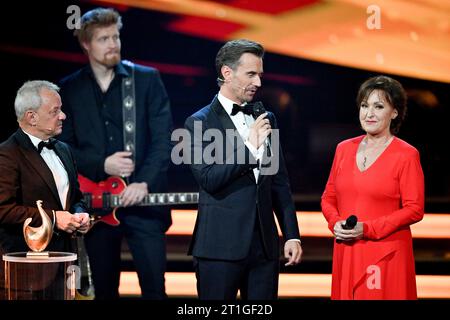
(34, 140)
(227, 103)
(119, 69)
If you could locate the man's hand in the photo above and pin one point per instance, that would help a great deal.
(259, 131)
(293, 252)
(119, 164)
(67, 222)
(133, 194)
(85, 222)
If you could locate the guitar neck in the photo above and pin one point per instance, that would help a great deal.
(160, 199)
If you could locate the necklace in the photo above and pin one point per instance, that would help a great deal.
(366, 155)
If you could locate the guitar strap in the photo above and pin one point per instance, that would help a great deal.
(129, 113)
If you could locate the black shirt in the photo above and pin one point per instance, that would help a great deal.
(109, 106)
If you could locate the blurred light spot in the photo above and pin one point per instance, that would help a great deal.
(414, 36)
(443, 25)
(379, 58)
(358, 32)
(392, 14)
(333, 39)
(221, 13)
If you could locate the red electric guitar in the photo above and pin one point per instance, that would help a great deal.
(105, 195)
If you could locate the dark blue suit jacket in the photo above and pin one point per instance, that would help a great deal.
(230, 198)
(84, 130)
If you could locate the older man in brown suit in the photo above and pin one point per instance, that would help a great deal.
(34, 166)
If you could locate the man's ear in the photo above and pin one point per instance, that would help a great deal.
(31, 118)
(85, 46)
(226, 73)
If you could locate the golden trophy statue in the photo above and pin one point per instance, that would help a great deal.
(37, 238)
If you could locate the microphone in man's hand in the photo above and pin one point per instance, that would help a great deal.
(349, 224)
(258, 109)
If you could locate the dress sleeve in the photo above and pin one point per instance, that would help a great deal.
(329, 200)
(411, 185)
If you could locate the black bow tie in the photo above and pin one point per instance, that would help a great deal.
(49, 145)
(247, 109)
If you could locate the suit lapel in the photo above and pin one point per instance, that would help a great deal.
(223, 116)
(262, 177)
(30, 153)
(227, 123)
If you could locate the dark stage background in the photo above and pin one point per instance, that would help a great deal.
(314, 102)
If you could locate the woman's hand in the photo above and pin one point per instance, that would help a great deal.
(348, 235)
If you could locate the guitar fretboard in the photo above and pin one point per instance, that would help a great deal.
(109, 200)
(160, 199)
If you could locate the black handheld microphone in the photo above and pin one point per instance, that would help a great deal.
(258, 109)
(349, 224)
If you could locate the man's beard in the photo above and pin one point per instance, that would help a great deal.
(112, 61)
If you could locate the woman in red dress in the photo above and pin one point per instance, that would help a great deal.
(378, 178)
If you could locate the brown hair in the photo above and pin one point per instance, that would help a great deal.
(95, 18)
(393, 93)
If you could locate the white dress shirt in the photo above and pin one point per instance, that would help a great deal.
(56, 167)
(242, 122)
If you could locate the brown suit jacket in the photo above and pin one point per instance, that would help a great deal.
(25, 178)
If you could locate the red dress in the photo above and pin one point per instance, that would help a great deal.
(387, 197)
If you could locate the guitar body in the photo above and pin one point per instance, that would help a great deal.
(113, 185)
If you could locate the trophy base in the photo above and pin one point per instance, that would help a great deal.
(50, 277)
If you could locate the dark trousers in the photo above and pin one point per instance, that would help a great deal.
(147, 243)
(255, 276)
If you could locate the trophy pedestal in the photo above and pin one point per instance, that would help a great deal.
(40, 277)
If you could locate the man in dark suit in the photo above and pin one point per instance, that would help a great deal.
(31, 171)
(235, 241)
(93, 99)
